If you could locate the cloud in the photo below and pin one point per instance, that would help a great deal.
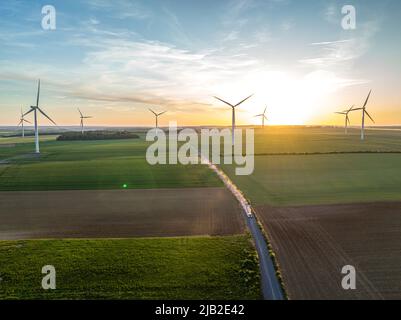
(343, 52)
(333, 53)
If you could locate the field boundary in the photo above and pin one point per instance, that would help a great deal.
(319, 153)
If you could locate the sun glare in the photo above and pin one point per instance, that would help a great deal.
(290, 100)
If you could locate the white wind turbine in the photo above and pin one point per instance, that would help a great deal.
(157, 115)
(21, 123)
(347, 121)
(82, 120)
(233, 113)
(263, 115)
(35, 109)
(364, 112)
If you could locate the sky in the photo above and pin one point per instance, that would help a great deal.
(114, 59)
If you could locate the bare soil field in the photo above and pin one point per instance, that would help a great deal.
(119, 213)
(314, 243)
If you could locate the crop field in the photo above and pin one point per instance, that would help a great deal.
(321, 179)
(290, 140)
(324, 199)
(314, 243)
(327, 200)
(27, 139)
(119, 213)
(103, 196)
(86, 165)
(160, 268)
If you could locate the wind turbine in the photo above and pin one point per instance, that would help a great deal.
(364, 112)
(21, 123)
(233, 112)
(157, 115)
(347, 121)
(35, 109)
(82, 120)
(263, 115)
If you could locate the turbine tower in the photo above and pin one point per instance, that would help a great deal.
(347, 121)
(263, 115)
(364, 112)
(82, 120)
(35, 110)
(233, 113)
(157, 115)
(21, 123)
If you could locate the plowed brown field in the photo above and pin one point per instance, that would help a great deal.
(313, 243)
(119, 213)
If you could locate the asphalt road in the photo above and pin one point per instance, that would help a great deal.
(271, 288)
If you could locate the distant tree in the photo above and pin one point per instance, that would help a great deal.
(97, 135)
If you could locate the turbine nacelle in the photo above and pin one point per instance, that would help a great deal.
(233, 107)
(157, 115)
(263, 116)
(82, 117)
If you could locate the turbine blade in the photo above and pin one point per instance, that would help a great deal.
(27, 121)
(153, 112)
(367, 99)
(265, 110)
(37, 97)
(80, 112)
(159, 114)
(351, 109)
(224, 102)
(40, 110)
(367, 113)
(265, 117)
(19, 123)
(28, 112)
(243, 101)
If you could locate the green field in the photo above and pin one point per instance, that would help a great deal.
(94, 165)
(304, 166)
(171, 268)
(273, 140)
(29, 140)
(336, 169)
(321, 179)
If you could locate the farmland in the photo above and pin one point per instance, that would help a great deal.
(119, 213)
(327, 200)
(156, 268)
(313, 244)
(324, 199)
(86, 165)
(321, 179)
(105, 198)
(299, 140)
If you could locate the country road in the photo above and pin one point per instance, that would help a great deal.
(271, 288)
